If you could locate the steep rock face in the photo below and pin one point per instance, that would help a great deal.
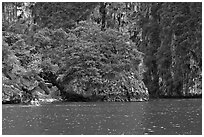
(196, 88)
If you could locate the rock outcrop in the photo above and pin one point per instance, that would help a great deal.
(124, 87)
(25, 89)
(11, 92)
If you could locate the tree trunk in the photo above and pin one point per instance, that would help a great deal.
(3, 11)
(103, 15)
(15, 10)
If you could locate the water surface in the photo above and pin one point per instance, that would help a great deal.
(160, 117)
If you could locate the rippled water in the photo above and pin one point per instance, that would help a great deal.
(163, 116)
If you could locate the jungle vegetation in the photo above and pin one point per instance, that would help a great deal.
(130, 49)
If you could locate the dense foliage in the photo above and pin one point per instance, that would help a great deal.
(101, 50)
(90, 60)
(81, 61)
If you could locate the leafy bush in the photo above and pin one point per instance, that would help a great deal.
(92, 59)
(91, 62)
(19, 65)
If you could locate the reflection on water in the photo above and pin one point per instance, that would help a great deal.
(154, 117)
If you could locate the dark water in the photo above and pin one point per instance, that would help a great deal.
(167, 116)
